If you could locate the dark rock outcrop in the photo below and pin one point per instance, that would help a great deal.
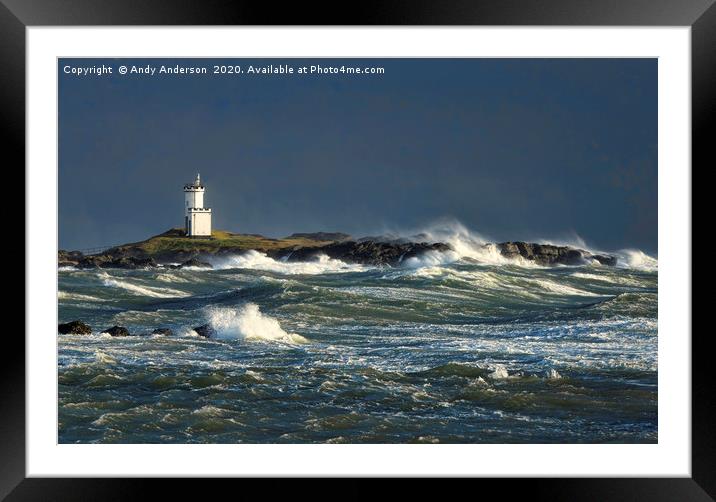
(194, 262)
(112, 261)
(368, 252)
(321, 236)
(389, 238)
(74, 328)
(605, 259)
(205, 330)
(117, 331)
(163, 332)
(382, 250)
(63, 255)
(68, 258)
(548, 254)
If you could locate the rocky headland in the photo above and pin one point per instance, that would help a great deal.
(174, 250)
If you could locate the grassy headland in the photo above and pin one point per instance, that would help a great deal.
(174, 242)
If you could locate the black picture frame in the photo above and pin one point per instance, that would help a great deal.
(700, 15)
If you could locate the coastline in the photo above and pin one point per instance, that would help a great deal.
(173, 249)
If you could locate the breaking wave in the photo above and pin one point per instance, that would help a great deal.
(633, 258)
(136, 289)
(471, 245)
(65, 295)
(465, 243)
(249, 323)
(458, 350)
(255, 260)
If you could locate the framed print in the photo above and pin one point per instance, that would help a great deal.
(448, 241)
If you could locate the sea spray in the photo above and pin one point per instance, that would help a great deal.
(431, 259)
(254, 260)
(464, 243)
(472, 245)
(249, 323)
(634, 258)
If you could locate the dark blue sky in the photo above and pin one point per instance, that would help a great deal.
(512, 148)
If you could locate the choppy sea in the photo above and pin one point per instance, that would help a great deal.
(456, 348)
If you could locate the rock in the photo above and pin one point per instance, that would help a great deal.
(74, 328)
(547, 254)
(163, 331)
(117, 331)
(382, 250)
(367, 252)
(205, 330)
(321, 236)
(69, 255)
(91, 261)
(68, 258)
(389, 238)
(111, 261)
(605, 259)
(193, 262)
(130, 262)
(95, 261)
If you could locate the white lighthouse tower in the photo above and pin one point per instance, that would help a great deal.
(197, 218)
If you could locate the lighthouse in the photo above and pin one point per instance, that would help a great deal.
(197, 218)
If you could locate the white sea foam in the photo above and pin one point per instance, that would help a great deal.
(136, 289)
(254, 260)
(592, 277)
(490, 280)
(610, 279)
(171, 277)
(560, 289)
(466, 243)
(102, 357)
(431, 259)
(249, 323)
(633, 258)
(187, 332)
(552, 374)
(572, 240)
(499, 372)
(485, 253)
(66, 295)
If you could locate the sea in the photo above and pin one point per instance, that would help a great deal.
(457, 347)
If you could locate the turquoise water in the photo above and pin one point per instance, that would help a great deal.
(437, 350)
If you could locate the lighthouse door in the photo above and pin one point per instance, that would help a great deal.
(186, 225)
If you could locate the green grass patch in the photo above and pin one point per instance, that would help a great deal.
(174, 241)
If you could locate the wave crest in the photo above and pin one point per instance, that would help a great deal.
(471, 245)
(634, 258)
(136, 289)
(249, 323)
(255, 260)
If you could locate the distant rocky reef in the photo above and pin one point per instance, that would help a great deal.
(366, 252)
(547, 254)
(174, 251)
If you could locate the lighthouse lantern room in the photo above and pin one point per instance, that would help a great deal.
(197, 218)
